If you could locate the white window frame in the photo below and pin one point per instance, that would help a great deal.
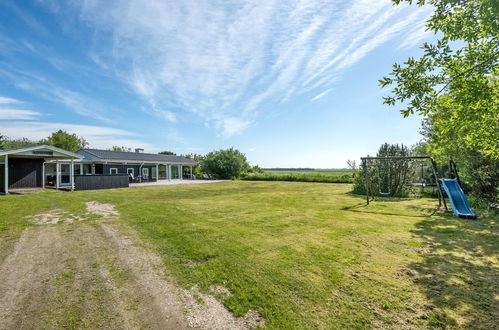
(133, 171)
(111, 170)
(145, 173)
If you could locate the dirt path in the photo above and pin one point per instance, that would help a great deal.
(70, 273)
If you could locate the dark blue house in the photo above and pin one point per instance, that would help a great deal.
(139, 166)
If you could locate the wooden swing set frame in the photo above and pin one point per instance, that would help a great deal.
(365, 161)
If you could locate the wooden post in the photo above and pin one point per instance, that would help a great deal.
(157, 173)
(72, 174)
(180, 174)
(57, 173)
(6, 175)
(191, 172)
(43, 175)
(440, 195)
(366, 178)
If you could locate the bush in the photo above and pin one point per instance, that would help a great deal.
(225, 164)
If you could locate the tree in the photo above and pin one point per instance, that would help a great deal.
(167, 153)
(225, 164)
(196, 169)
(8, 143)
(66, 141)
(454, 85)
(456, 78)
(387, 176)
(122, 148)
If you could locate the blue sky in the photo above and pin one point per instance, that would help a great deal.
(289, 83)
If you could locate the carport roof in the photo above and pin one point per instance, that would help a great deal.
(41, 151)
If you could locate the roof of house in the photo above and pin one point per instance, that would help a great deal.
(97, 155)
(28, 151)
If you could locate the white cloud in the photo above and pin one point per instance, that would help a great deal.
(98, 136)
(9, 114)
(223, 59)
(8, 100)
(322, 94)
(51, 91)
(232, 126)
(415, 36)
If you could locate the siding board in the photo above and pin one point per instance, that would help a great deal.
(103, 181)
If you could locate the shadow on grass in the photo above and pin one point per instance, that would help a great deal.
(459, 272)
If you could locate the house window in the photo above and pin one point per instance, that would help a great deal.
(130, 171)
(87, 169)
(113, 170)
(145, 173)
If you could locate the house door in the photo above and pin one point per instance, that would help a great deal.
(65, 174)
(145, 173)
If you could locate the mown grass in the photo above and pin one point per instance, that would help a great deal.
(324, 176)
(314, 256)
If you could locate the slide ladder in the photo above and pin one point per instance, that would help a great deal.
(458, 199)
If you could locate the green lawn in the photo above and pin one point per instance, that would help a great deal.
(308, 255)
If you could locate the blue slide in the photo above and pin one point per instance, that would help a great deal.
(458, 199)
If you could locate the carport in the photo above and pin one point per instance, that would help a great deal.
(25, 167)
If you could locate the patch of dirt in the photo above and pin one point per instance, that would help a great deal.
(100, 275)
(221, 290)
(195, 263)
(102, 209)
(211, 314)
(51, 217)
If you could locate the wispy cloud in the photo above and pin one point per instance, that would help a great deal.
(415, 36)
(49, 90)
(98, 136)
(9, 110)
(223, 60)
(9, 100)
(9, 114)
(322, 94)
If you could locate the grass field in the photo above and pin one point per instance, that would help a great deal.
(325, 176)
(307, 255)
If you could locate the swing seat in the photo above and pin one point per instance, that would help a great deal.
(387, 194)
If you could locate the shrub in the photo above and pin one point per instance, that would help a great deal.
(225, 164)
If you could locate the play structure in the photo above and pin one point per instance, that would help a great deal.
(393, 172)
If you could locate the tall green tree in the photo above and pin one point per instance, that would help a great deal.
(66, 141)
(454, 85)
(225, 164)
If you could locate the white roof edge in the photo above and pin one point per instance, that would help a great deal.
(136, 162)
(43, 146)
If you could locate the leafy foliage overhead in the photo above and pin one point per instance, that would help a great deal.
(455, 81)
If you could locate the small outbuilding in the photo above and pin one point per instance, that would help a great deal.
(25, 168)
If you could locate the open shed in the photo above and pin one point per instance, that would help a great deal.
(24, 168)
